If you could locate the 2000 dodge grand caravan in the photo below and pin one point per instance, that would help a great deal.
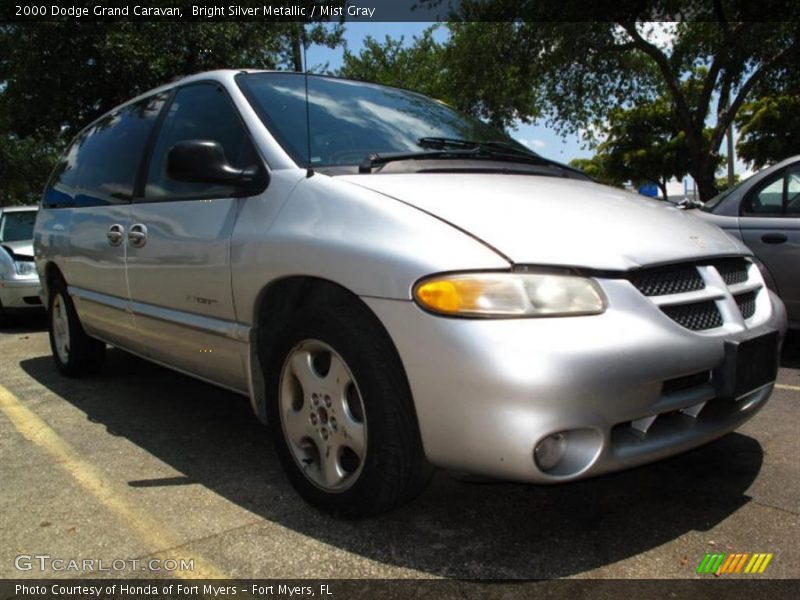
(399, 287)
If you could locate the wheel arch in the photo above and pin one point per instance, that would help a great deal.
(766, 274)
(52, 274)
(276, 302)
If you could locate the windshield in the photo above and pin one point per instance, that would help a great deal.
(17, 226)
(351, 120)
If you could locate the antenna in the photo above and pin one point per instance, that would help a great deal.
(309, 168)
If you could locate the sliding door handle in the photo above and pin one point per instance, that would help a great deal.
(137, 235)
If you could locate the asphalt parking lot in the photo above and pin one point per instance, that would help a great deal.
(141, 462)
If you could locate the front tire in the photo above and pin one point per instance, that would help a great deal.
(75, 353)
(345, 426)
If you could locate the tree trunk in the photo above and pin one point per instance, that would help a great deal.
(662, 185)
(297, 51)
(706, 181)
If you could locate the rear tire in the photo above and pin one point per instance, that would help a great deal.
(75, 353)
(341, 410)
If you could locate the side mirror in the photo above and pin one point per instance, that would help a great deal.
(203, 161)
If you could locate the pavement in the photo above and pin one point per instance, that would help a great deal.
(141, 464)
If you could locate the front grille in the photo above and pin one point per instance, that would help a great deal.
(747, 304)
(662, 281)
(697, 317)
(701, 307)
(732, 270)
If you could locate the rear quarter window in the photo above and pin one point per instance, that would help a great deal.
(101, 166)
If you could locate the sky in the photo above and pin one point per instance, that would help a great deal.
(538, 136)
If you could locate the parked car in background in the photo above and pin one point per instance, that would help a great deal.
(764, 212)
(398, 286)
(19, 281)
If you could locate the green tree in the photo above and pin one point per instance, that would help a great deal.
(416, 66)
(722, 182)
(577, 73)
(646, 144)
(24, 166)
(446, 71)
(769, 130)
(595, 168)
(60, 76)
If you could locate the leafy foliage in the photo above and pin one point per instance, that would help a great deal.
(416, 66)
(578, 74)
(769, 130)
(25, 165)
(596, 168)
(645, 145)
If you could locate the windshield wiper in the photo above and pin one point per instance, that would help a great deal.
(491, 145)
(445, 142)
(376, 159)
(444, 148)
(497, 148)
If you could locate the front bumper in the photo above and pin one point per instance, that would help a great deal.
(20, 292)
(487, 391)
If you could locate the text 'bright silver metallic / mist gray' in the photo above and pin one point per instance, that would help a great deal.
(418, 290)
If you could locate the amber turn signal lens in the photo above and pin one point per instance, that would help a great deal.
(501, 295)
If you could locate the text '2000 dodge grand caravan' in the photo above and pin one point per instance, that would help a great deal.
(397, 286)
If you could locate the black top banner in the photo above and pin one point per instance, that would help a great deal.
(342, 11)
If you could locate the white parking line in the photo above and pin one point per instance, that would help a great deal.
(153, 533)
(783, 386)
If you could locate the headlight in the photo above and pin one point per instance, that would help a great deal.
(25, 267)
(510, 295)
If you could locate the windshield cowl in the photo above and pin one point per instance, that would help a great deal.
(475, 161)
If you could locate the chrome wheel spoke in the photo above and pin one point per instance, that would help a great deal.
(338, 378)
(297, 427)
(60, 329)
(332, 473)
(350, 414)
(353, 436)
(304, 371)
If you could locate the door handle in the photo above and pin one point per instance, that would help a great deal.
(773, 238)
(115, 234)
(137, 235)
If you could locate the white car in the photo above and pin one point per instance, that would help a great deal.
(19, 282)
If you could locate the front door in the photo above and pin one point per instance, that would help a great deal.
(179, 246)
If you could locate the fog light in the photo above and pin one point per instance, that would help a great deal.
(549, 452)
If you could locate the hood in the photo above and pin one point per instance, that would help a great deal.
(553, 221)
(22, 249)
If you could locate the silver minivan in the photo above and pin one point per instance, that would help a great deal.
(396, 286)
